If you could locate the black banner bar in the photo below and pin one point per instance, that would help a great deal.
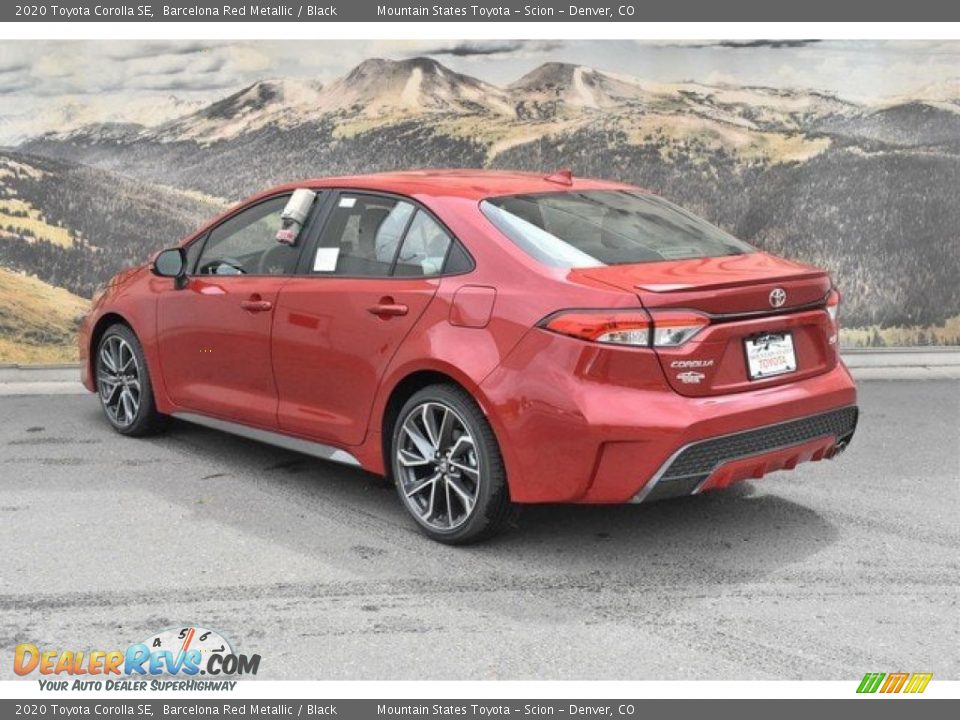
(475, 11)
(876, 709)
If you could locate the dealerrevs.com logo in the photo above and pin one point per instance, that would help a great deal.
(184, 652)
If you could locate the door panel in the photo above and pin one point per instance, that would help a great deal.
(215, 346)
(215, 332)
(332, 340)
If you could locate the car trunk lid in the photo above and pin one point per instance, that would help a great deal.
(759, 299)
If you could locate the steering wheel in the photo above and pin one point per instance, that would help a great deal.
(223, 266)
(273, 258)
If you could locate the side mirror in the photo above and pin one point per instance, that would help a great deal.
(171, 263)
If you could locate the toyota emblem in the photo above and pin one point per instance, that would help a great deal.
(778, 296)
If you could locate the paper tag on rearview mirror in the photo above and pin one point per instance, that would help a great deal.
(326, 259)
(287, 236)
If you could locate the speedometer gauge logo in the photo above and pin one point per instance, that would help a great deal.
(183, 639)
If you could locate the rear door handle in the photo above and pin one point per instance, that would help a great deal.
(256, 305)
(388, 309)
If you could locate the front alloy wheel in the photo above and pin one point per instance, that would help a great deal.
(123, 383)
(447, 466)
(118, 379)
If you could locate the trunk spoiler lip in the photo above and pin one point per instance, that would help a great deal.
(666, 288)
(726, 317)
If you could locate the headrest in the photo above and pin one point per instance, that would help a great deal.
(370, 221)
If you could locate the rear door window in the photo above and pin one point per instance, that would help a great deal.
(362, 235)
(424, 248)
(370, 235)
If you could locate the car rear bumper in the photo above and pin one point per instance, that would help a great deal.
(717, 462)
(581, 423)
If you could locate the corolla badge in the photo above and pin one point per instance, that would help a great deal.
(778, 296)
(691, 377)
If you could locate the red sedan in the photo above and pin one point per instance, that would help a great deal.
(484, 339)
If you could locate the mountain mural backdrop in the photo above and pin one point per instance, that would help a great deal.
(870, 191)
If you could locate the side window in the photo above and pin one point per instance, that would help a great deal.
(361, 235)
(246, 244)
(424, 247)
(457, 261)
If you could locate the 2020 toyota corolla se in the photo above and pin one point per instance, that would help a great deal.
(485, 339)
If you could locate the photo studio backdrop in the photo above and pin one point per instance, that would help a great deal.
(841, 154)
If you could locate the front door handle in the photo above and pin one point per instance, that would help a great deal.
(256, 305)
(388, 308)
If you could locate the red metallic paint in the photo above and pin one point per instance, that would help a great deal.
(472, 306)
(756, 466)
(576, 421)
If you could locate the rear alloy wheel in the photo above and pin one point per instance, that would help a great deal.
(123, 383)
(448, 468)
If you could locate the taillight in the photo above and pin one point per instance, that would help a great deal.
(613, 327)
(672, 328)
(634, 328)
(833, 307)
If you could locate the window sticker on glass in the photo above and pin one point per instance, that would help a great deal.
(348, 202)
(326, 259)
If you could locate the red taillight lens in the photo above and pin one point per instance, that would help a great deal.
(672, 328)
(613, 327)
(833, 307)
(669, 328)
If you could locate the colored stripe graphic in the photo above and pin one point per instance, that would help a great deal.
(918, 682)
(894, 682)
(870, 682)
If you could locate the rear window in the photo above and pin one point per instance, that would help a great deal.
(606, 227)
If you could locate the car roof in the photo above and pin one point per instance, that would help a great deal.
(469, 184)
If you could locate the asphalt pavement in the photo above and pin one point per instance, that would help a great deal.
(828, 572)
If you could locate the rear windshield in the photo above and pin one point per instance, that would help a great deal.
(606, 227)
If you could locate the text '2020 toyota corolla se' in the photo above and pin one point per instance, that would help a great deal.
(484, 339)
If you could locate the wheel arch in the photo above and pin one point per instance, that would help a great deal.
(403, 388)
(402, 391)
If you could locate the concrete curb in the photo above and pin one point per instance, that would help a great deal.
(901, 357)
(890, 364)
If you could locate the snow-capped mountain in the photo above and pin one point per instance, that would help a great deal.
(944, 94)
(377, 87)
(99, 117)
(390, 90)
(579, 86)
(283, 103)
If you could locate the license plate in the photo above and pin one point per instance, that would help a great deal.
(770, 355)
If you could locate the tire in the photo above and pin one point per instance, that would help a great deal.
(449, 473)
(123, 384)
